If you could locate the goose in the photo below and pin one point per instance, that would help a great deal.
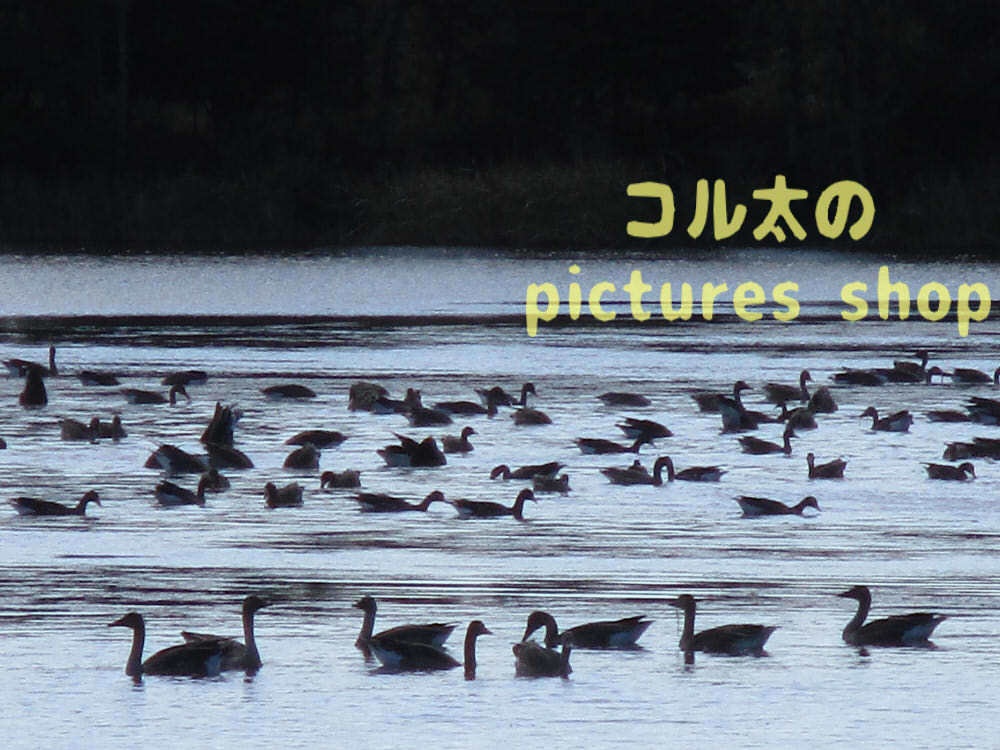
(214, 481)
(34, 394)
(634, 474)
(421, 416)
(758, 447)
(170, 494)
(822, 402)
(486, 509)
(362, 395)
(409, 452)
(956, 473)
(386, 405)
(898, 630)
(830, 470)
(932, 371)
(458, 443)
(406, 656)
(185, 378)
(952, 416)
(433, 634)
(618, 398)
(222, 426)
(558, 484)
(734, 640)
(288, 390)
(913, 369)
(289, 496)
(691, 473)
(850, 376)
(376, 502)
(466, 408)
(235, 655)
(305, 457)
(340, 479)
(195, 659)
(30, 506)
(322, 439)
(711, 402)
(526, 417)
(779, 393)
(534, 660)
(96, 378)
(984, 410)
(526, 472)
(227, 457)
(600, 446)
(605, 634)
(968, 376)
(115, 430)
(74, 429)
(899, 421)
(647, 428)
(754, 507)
(174, 460)
(735, 416)
(499, 397)
(138, 396)
(800, 418)
(18, 368)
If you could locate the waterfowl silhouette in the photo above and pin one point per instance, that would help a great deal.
(362, 395)
(235, 655)
(605, 634)
(377, 502)
(913, 629)
(74, 429)
(196, 659)
(115, 430)
(433, 633)
(185, 378)
(34, 394)
(487, 509)
(830, 470)
(340, 479)
(421, 416)
(386, 405)
(822, 402)
(915, 370)
(138, 396)
(534, 660)
(174, 460)
(465, 408)
(289, 496)
(956, 473)
(691, 473)
(980, 447)
(984, 410)
(526, 416)
(899, 421)
(969, 376)
(170, 494)
(735, 416)
(618, 398)
(600, 446)
(305, 457)
(558, 484)
(30, 506)
(754, 507)
(547, 469)
(214, 481)
(413, 454)
(96, 378)
(499, 397)
(863, 377)
(407, 656)
(227, 457)
(458, 443)
(634, 474)
(322, 439)
(710, 402)
(758, 447)
(18, 368)
(222, 426)
(800, 418)
(734, 640)
(288, 390)
(780, 393)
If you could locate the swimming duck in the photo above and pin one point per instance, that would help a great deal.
(458, 443)
(407, 656)
(618, 398)
(956, 473)
(605, 634)
(322, 439)
(433, 634)
(288, 390)
(196, 659)
(899, 421)
(340, 479)
(547, 469)
(235, 655)
(305, 457)
(289, 496)
(138, 396)
(734, 640)
(174, 460)
(34, 394)
(779, 393)
(898, 630)
(377, 502)
(534, 660)
(600, 446)
(30, 506)
(185, 378)
(758, 447)
(18, 368)
(486, 509)
(830, 470)
(558, 484)
(951, 416)
(411, 453)
(170, 494)
(754, 507)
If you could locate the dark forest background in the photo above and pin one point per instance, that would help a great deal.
(233, 124)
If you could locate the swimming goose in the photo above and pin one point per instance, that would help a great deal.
(735, 416)
(196, 659)
(305, 457)
(227, 457)
(952, 416)
(636, 428)
(288, 390)
(984, 410)
(691, 473)
(605, 634)
(174, 460)
(18, 368)
(821, 401)
(138, 396)
(634, 474)
(526, 472)
(322, 439)
(600, 446)
(214, 481)
(734, 640)
(185, 378)
(486, 509)
(980, 447)
(433, 634)
(459, 443)
(526, 416)
(413, 454)
(377, 502)
(170, 494)
(74, 429)
(968, 376)
(710, 402)
(465, 408)
(754, 507)
(406, 656)
(898, 630)
(758, 447)
(115, 430)
(421, 416)
(340, 479)
(779, 393)
(499, 397)
(222, 426)
(558, 484)
(899, 421)
(534, 660)
(289, 496)
(93, 377)
(800, 418)
(385, 405)
(916, 370)
(956, 473)
(362, 395)
(617, 398)
(30, 506)
(864, 377)
(236, 655)
(830, 470)
(34, 393)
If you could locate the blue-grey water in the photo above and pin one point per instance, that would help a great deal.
(448, 322)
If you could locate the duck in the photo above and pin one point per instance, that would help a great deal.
(969, 376)
(222, 426)
(322, 439)
(913, 629)
(74, 429)
(618, 398)
(530, 471)
(288, 390)
(18, 368)
(635, 428)
(406, 656)
(289, 496)
(758, 447)
(362, 395)
(830, 470)
(486, 509)
(410, 453)
(605, 634)
(235, 655)
(458, 443)
(170, 494)
(600, 446)
(734, 640)
(534, 660)
(377, 502)
(433, 633)
(174, 460)
(340, 479)
(30, 506)
(185, 378)
(558, 484)
(754, 507)
(899, 421)
(956, 473)
(195, 659)
(34, 394)
(779, 393)
(138, 396)
(97, 378)
(303, 458)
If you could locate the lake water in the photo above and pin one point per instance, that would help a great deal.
(448, 322)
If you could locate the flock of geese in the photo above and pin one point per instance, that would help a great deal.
(421, 647)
